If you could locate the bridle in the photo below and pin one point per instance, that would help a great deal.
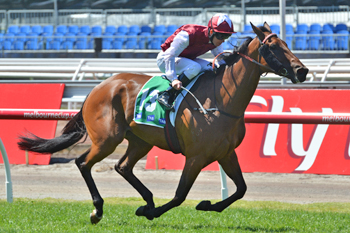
(281, 71)
(275, 66)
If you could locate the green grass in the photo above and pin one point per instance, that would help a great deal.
(52, 215)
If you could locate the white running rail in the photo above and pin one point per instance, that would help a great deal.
(321, 70)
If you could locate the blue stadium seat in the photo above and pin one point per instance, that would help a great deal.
(159, 28)
(233, 40)
(247, 29)
(7, 45)
(67, 44)
(122, 29)
(106, 44)
(341, 27)
(110, 29)
(289, 28)
(300, 40)
(131, 44)
(48, 29)
(171, 28)
(155, 44)
(73, 29)
(62, 29)
(327, 40)
(58, 37)
(227, 45)
(315, 27)
(54, 44)
(32, 37)
(342, 39)
(146, 28)
(131, 36)
(38, 29)
(14, 29)
(82, 37)
(302, 28)
(107, 40)
(314, 40)
(70, 37)
(81, 41)
(25, 29)
(117, 44)
(85, 29)
(328, 27)
(21, 37)
(134, 28)
(141, 44)
(145, 37)
(33, 45)
(96, 30)
(275, 28)
(81, 45)
(289, 39)
(119, 36)
(9, 37)
(158, 36)
(18, 45)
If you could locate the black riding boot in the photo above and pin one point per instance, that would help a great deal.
(167, 97)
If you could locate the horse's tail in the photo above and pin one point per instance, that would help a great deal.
(72, 133)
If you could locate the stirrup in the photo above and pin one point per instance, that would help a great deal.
(163, 99)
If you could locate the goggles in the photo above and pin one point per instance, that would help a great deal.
(222, 36)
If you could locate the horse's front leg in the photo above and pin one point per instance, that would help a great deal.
(189, 174)
(136, 150)
(231, 167)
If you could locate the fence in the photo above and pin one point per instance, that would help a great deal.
(321, 71)
(257, 15)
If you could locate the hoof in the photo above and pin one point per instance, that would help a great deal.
(142, 211)
(204, 205)
(94, 218)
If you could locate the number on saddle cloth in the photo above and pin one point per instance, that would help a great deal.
(147, 109)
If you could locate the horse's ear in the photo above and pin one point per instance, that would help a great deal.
(258, 32)
(267, 27)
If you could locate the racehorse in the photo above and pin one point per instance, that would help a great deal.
(107, 118)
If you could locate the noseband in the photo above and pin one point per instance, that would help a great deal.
(275, 65)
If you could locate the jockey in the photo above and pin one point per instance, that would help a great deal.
(180, 51)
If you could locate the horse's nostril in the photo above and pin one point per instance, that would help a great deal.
(301, 73)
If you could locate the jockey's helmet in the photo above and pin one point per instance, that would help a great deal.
(221, 23)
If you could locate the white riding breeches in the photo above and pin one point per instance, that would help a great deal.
(184, 65)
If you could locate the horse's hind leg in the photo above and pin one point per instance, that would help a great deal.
(137, 148)
(232, 169)
(85, 163)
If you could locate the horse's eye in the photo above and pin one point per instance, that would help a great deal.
(273, 46)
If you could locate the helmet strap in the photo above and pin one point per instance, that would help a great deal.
(211, 31)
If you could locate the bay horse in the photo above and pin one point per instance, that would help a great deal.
(107, 118)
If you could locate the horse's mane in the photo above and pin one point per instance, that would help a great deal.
(233, 58)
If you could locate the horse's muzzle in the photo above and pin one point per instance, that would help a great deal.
(300, 74)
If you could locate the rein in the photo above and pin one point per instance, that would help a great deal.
(249, 59)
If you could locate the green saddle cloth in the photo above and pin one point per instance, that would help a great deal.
(147, 109)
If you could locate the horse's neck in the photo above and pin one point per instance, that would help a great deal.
(239, 83)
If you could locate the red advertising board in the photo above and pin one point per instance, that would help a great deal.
(26, 96)
(288, 148)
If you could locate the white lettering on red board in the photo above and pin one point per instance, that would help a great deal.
(296, 134)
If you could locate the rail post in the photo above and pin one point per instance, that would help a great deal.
(224, 189)
(8, 182)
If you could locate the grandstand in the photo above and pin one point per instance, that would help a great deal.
(28, 33)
